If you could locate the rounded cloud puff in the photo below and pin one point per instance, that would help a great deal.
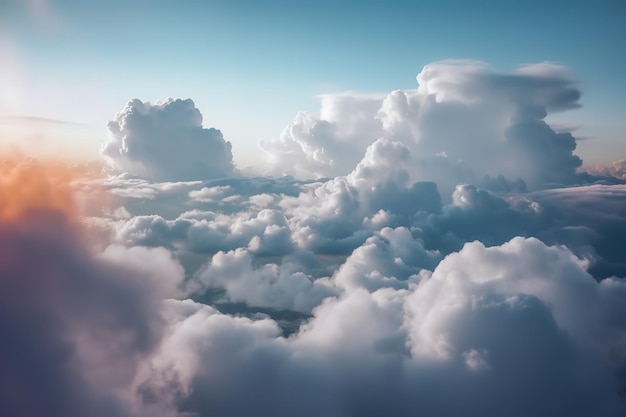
(166, 141)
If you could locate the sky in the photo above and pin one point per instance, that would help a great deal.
(332, 209)
(251, 67)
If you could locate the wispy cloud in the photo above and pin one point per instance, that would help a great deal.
(35, 120)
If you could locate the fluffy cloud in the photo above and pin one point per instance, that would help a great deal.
(389, 259)
(615, 170)
(464, 122)
(283, 288)
(76, 323)
(166, 141)
(490, 329)
(327, 145)
(334, 217)
(264, 233)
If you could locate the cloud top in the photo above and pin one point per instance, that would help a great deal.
(465, 122)
(166, 141)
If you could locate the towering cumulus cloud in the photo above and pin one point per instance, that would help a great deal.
(465, 121)
(166, 141)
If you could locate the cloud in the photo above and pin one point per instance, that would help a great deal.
(166, 141)
(521, 327)
(334, 217)
(77, 321)
(319, 147)
(465, 121)
(327, 145)
(614, 170)
(329, 216)
(282, 287)
(264, 233)
(447, 259)
(391, 258)
(591, 220)
(28, 120)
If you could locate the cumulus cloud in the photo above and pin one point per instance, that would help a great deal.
(283, 288)
(166, 141)
(465, 121)
(329, 144)
(264, 233)
(336, 216)
(615, 170)
(490, 329)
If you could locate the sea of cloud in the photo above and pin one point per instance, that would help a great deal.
(436, 251)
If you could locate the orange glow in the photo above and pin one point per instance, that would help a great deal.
(27, 186)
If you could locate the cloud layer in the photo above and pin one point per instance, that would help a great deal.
(436, 251)
(476, 336)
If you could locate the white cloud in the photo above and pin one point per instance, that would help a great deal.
(284, 287)
(208, 195)
(521, 327)
(465, 121)
(263, 233)
(166, 141)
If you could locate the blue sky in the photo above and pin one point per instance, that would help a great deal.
(251, 66)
